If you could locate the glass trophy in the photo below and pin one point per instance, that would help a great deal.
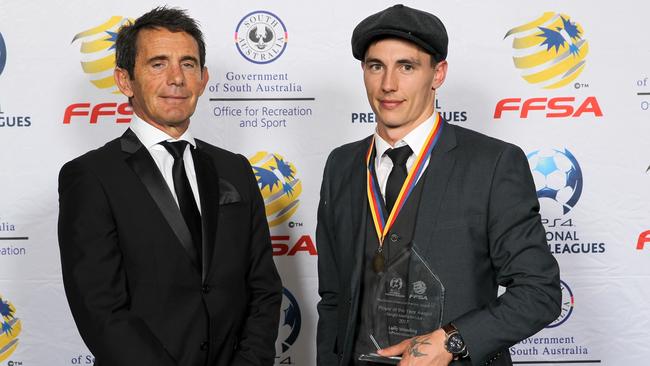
(408, 301)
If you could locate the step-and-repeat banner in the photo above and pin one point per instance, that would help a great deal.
(567, 81)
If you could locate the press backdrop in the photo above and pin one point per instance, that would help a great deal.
(565, 80)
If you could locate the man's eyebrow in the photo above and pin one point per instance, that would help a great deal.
(190, 58)
(373, 60)
(158, 58)
(411, 61)
(166, 58)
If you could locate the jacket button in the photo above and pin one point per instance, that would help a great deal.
(205, 289)
(204, 346)
(394, 237)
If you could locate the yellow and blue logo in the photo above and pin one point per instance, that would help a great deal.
(98, 52)
(280, 188)
(550, 51)
(10, 329)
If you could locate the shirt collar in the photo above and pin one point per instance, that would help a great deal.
(414, 139)
(150, 136)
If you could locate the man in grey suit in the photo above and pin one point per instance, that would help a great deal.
(454, 202)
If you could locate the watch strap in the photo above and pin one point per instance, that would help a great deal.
(450, 330)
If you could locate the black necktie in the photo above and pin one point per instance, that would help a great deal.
(397, 175)
(186, 202)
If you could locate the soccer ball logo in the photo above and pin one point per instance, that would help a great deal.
(3, 54)
(419, 287)
(290, 321)
(558, 180)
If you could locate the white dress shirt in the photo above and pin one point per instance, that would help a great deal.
(151, 137)
(414, 139)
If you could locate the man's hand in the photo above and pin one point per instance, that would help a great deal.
(428, 349)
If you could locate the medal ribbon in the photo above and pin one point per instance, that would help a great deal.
(382, 226)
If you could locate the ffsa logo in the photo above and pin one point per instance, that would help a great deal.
(551, 53)
(280, 187)
(644, 238)
(97, 48)
(283, 245)
(11, 327)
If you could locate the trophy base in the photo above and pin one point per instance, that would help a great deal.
(373, 357)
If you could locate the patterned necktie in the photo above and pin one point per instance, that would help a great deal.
(397, 175)
(186, 201)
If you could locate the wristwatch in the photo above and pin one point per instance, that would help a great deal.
(454, 343)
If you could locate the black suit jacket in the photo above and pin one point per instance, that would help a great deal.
(130, 270)
(478, 226)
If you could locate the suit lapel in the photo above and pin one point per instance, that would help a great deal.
(209, 190)
(141, 162)
(437, 176)
(359, 214)
(359, 210)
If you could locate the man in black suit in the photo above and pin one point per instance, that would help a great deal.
(459, 206)
(165, 249)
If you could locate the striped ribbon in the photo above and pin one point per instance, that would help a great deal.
(382, 226)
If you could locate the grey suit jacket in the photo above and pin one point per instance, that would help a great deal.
(478, 226)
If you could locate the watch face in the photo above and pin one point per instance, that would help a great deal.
(455, 343)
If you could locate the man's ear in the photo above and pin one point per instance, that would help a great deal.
(123, 81)
(440, 74)
(205, 77)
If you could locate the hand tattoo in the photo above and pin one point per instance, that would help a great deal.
(415, 343)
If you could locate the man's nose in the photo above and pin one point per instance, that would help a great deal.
(175, 75)
(389, 81)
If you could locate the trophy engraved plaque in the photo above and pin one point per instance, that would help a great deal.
(408, 301)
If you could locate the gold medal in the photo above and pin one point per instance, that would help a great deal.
(378, 261)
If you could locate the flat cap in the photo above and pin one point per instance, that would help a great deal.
(417, 26)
